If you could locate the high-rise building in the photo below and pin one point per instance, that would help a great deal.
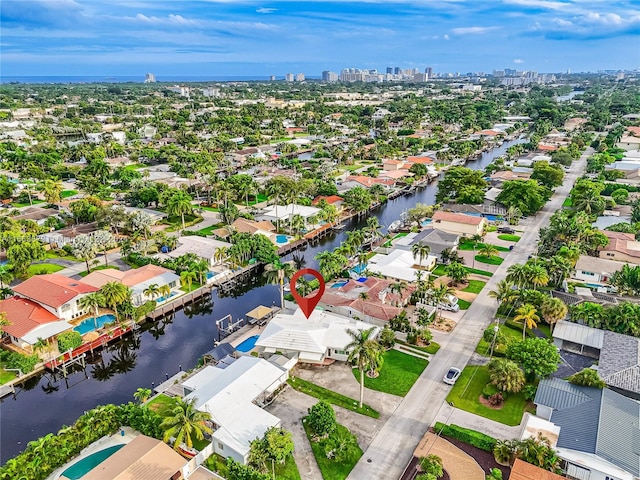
(389, 69)
(289, 77)
(272, 78)
(396, 71)
(150, 78)
(329, 76)
(300, 77)
(429, 72)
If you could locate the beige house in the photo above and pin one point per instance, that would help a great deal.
(458, 223)
(622, 247)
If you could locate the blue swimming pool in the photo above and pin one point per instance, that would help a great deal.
(282, 239)
(338, 284)
(359, 269)
(248, 344)
(163, 298)
(92, 323)
(80, 469)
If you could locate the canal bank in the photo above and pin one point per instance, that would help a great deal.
(159, 350)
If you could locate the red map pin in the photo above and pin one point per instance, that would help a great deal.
(307, 304)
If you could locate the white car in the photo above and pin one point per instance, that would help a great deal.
(451, 376)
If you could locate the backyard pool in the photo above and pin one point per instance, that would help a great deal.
(338, 284)
(282, 239)
(92, 323)
(80, 469)
(163, 298)
(359, 269)
(248, 344)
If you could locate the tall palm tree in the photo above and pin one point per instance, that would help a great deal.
(220, 254)
(184, 423)
(363, 349)
(505, 292)
(92, 301)
(420, 251)
(51, 188)
(179, 203)
(506, 375)
(278, 272)
(537, 275)
(142, 394)
(527, 314)
(187, 277)
(364, 296)
(398, 287)
(152, 291)
(517, 274)
(164, 291)
(553, 310)
(439, 295)
(115, 293)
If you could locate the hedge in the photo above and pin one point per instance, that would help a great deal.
(466, 435)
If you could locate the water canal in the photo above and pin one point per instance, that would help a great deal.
(45, 403)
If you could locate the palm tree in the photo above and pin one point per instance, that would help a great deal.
(183, 422)
(398, 287)
(420, 251)
(51, 189)
(115, 293)
(537, 275)
(439, 295)
(504, 293)
(187, 277)
(527, 314)
(488, 250)
(517, 274)
(364, 296)
(277, 272)
(553, 310)
(92, 301)
(6, 277)
(164, 291)
(220, 254)
(506, 375)
(362, 350)
(179, 203)
(152, 291)
(142, 395)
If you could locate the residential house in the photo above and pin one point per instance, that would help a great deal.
(424, 160)
(599, 429)
(204, 248)
(622, 247)
(279, 213)
(491, 196)
(233, 396)
(334, 200)
(392, 165)
(596, 271)
(436, 240)
(143, 457)
(138, 279)
(29, 322)
(629, 167)
(37, 214)
(619, 363)
(498, 178)
(368, 182)
(522, 470)
(629, 143)
(56, 293)
(578, 338)
(321, 338)
(399, 264)
(394, 174)
(458, 223)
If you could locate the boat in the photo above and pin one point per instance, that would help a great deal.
(339, 226)
(395, 226)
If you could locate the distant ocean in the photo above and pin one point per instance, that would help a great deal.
(134, 79)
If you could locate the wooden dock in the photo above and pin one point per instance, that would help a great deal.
(173, 305)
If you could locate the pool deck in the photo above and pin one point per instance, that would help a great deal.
(104, 442)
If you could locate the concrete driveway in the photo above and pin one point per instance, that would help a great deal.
(391, 450)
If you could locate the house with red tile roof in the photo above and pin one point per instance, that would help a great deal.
(138, 279)
(423, 160)
(458, 223)
(395, 174)
(29, 321)
(368, 182)
(547, 148)
(56, 293)
(334, 200)
(622, 247)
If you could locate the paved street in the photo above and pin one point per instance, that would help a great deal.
(392, 448)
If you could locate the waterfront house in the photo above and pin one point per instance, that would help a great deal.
(29, 322)
(280, 213)
(321, 338)
(599, 429)
(525, 471)
(436, 240)
(399, 264)
(458, 223)
(233, 395)
(596, 271)
(204, 248)
(622, 247)
(138, 279)
(56, 293)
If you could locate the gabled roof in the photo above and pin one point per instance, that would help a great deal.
(580, 334)
(130, 278)
(53, 290)
(597, 265)
(24, 316)
(441, 216)
(621, 242)
(619, 364)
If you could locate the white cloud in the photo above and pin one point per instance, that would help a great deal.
(472, 30)
(445, 36)
(266, 10)
(518, 60)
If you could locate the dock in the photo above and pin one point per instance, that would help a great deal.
(179, 302)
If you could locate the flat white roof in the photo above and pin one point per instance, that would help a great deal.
(200, 246)
(580, 334)
(397, 264)
(46, 330)
(286, 211)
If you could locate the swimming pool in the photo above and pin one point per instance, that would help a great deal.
(282, 239)
(359, 269)
(163, 298)
(80, 469)
(338, 284)
(248, 344)
(92, 323)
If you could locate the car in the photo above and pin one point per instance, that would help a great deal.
(451, 376)
(506, 230)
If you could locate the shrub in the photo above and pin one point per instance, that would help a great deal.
(587, 377)
(322, 419)
(412, 337)
(477, 439)
(18, 361)
(496, 399)
(68, 341)
(387, 338)
(489, 390)
(529, 391)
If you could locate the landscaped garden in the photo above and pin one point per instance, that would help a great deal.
(43, 268)
(466, 246)
(492, 260)
(507, 237)
(463, 304)
(397, 375)
(474, 286)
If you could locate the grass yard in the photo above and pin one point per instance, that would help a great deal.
(61, 254)
(568, 202)
(511, 335)
(463, 304)
(469, 246)
(492, 260)
(6, 376)
(43, 268)
(161, 403)
(439, 271)
(475, 286)
(507, 237)
(68, 193)
(208, 230)
(331, 397)
(332, 469)
(35, 201)
(398, 373)
(432, 348)
(467, 390)
(194, 286)
(209, 209)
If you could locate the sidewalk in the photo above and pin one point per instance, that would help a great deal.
(450, 415)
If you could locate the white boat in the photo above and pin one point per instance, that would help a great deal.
(395, 226)
(339, 226)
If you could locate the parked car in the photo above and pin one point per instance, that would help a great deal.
(506, 230)
(451, 376)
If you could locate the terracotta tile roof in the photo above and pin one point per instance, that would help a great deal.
(547, 148)
(509, 175)
(369, 181)
(395, 174)
(621, 242)
(24, 315)
(423, 160)
(456, 218)
(634, 130)
(489, 132)
(249, 226)
(525, 471)
(130, 278)
(53, 289)
(331, 199)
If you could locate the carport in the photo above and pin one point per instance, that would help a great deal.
(574, 337)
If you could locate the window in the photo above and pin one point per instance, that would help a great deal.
(611, 254)
(220, 446)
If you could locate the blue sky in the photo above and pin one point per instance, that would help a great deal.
(237, 37)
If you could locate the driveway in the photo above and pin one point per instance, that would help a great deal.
(391, 449)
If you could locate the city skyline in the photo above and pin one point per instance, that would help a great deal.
(219, 37)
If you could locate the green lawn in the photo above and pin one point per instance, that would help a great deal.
(6, 376)
(332, 397)
(568, 202)
(286, 471)
(492, 260)
(208, 230)
(194, 286)
(467, 390)
(507, 237)
(511, 335)
(432, 348)
(475, 286)
(210, 209)
(20, 205)
(161, 403)
(463, 304)
(68, 193)
(331, 469)
(99, 267)
(43, 268)
(469, 246)
(398, 373)
(479, 272)
(61, 254)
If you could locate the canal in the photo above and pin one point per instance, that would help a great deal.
(160, 350)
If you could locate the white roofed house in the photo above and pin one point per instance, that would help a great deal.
(322, 338)
(596, 271)
(204, 248)
(279, 213)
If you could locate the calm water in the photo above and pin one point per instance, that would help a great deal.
(46, 403)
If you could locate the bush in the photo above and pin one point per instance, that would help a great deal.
(496, 399)
(477, 439)
(387, 338)
(529, 392)
(322, 419)
(68, 341)
(489, 390)
(24, 363)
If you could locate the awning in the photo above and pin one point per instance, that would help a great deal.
(46, 330)
(311, 357)
(260, 312)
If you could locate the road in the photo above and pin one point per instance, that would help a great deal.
(392, 448)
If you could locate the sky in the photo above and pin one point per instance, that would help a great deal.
(246, 37)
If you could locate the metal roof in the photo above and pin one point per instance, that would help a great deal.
(580, 334)
(619, 364)
(220, 351)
